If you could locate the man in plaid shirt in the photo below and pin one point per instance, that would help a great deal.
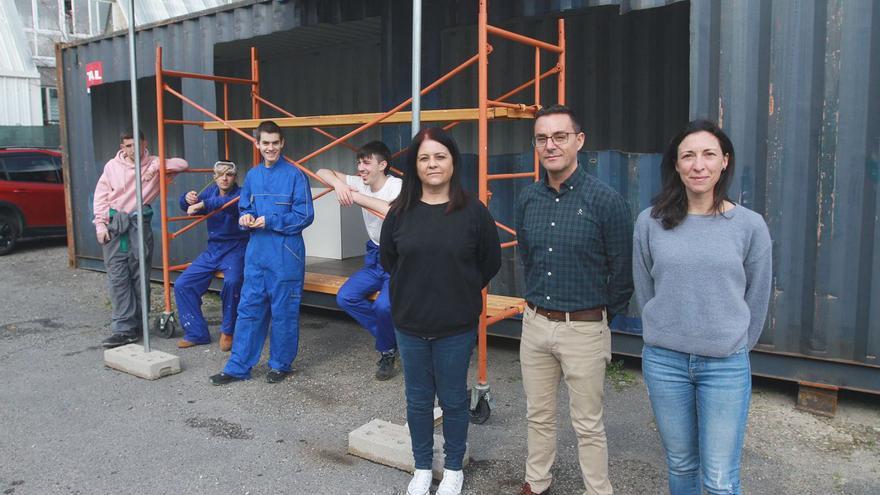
(575, 241)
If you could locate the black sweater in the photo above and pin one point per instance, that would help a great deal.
(439, 263)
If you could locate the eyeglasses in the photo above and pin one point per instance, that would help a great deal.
(559, 139)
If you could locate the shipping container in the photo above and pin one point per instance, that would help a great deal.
(793, 83)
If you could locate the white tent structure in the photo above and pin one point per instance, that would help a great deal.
(19, 79)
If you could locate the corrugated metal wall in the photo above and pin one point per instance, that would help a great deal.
(20, 101)
(150, 11)
(95, 119)
(627, 76)
(296, 75)
(794, 83)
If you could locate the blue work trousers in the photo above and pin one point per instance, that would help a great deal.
(353, 298)
(191, 285)
(437, 367)
(264, 298)
(701, 405)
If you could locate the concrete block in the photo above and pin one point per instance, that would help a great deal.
(132, 359)
(389, 444)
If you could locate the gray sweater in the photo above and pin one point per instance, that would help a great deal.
(703, 287)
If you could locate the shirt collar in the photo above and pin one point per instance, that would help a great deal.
(280, 161)
(575, 180)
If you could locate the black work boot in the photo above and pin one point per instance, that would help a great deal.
(385, 365)
(120, 339)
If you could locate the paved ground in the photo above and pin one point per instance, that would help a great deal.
(70, 425)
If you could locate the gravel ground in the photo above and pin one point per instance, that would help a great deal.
(70, 425)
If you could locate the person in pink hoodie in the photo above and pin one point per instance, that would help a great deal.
(117, 229)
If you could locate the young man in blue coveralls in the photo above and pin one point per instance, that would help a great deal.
(275, 206)
(371, 188)
(225, 253)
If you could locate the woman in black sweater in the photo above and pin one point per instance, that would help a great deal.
(441, 248)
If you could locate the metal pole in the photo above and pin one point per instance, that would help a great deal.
(416, 66)
(142, 269)
(483, 165)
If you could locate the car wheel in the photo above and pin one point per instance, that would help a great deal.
(8, 233)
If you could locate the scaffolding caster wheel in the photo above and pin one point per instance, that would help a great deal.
(481, 405)
(165, 325)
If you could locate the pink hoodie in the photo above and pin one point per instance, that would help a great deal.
(116, 188)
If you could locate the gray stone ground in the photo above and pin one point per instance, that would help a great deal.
(70, 425)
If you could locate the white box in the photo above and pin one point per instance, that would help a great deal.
(337, 232)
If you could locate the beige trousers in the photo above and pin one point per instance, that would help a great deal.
(577, 352)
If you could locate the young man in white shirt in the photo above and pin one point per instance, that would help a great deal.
(371, 189)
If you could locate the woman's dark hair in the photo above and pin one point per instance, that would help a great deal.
(411, 190)
(671, 203)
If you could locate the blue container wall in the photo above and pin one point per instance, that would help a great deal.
(794, 84)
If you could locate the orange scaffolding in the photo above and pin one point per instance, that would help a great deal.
(488, 109)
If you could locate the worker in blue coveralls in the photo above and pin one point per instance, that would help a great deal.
(225, 253)
(275, 206)
(371, 188)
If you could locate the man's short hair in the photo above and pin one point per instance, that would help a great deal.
(129, 134)
(560, 109)
(222, 167)
(377, 150)
(268, 127)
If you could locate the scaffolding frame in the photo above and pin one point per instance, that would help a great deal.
(487, 109)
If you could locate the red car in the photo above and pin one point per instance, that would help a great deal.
(31, 195)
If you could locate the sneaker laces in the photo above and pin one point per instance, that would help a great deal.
(420, 483)
(451, 483)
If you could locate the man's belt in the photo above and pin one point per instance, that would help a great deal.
(592, 314)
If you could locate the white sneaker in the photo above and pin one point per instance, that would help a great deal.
(451, 483)
(421, 482)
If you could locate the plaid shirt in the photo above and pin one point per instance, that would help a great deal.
(575, 244)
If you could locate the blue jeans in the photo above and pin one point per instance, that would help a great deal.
(701, 405)
(437, 367)
(353, 298)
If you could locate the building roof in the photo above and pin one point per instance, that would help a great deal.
(152, 11)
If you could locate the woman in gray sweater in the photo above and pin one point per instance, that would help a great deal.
(702, 274)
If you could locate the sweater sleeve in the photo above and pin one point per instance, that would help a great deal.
(101, 203)
(643, 262)
(758, 266)
(489, 246)
(150, 171)
(301, 212)
(174, 166)
(387, 247)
